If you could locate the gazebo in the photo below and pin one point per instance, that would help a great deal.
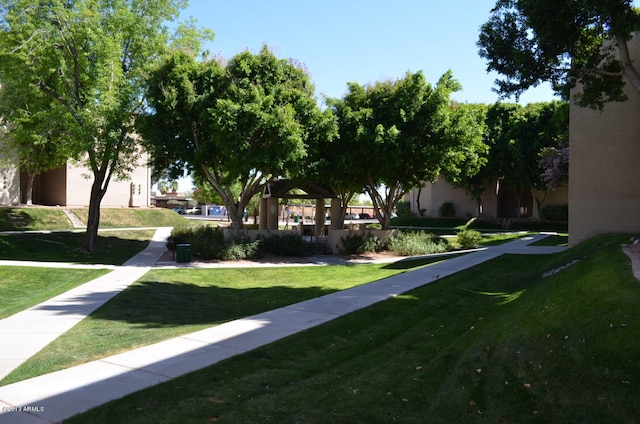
(281, 189)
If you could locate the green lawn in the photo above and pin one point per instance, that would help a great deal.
(496, 343)
(52, 218)
(554, 240)
(114, 247)
(167, 303)
(33, 218)
(134, 217)
(450, 225)
(23, 287)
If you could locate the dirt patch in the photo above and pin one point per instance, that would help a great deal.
(169, 256)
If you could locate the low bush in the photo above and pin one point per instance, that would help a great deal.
(557, 213)
(447, 210)
(468, 239)
(240, 247)
(287, 245)
(404, 209)
(208, 242)
(356, 243)
(416, 243)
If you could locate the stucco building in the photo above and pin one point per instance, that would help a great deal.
(604, 170)
(70, 185)
(499, 201)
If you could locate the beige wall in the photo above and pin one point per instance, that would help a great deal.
(70, 185)
(132, 192)
(559, 196)
(604, 169)
(9, 184)
(432, 196)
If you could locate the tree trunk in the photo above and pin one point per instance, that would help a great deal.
(28, 193)
(539, 201)
(628, 66)
(93, 221)
(235, 212)
(381, 204)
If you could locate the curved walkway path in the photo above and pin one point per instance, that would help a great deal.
(54, 397)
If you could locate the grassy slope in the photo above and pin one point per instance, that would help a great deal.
(497, 343)
(125, 218)
(49, 218)
(114, 248)
(480, 225)
(33, 218)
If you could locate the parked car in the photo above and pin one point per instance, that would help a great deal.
(192, 211)
(352, 216)
(365, 216)
(179, 210)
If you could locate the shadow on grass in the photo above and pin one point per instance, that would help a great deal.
(66, 247)
(155, 304)
(12, 219)
(411, 263)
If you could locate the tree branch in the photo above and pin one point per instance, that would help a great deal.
(628, 68)
(64, 102)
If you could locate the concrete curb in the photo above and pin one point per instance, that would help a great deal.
(635, 261)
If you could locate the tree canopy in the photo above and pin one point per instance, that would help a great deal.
(516, 135)
(403, 134)
(90, 57)
(35, 133)
(235, 125)
(565, 42)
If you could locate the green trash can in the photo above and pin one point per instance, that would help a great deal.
(183, 253)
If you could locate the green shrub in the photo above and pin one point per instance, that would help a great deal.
(351, 243)
(468, 239)
(240, 247)
(558, 213)
(416, 243)
(447, 210)
(371, 243)
(287, 245)
(208, 242)
(404, 209)
(356, 243)
(179, 235)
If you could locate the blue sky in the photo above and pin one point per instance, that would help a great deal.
(361, 41)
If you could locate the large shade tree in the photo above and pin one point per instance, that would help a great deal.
(403, 134)
(235, 125)
(468, 171)
(90, 56)
(516, 135)
(565, 42)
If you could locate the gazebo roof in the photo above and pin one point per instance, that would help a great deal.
(281, 189)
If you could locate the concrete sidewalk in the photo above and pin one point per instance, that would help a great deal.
(27, 332)
(60, 395)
